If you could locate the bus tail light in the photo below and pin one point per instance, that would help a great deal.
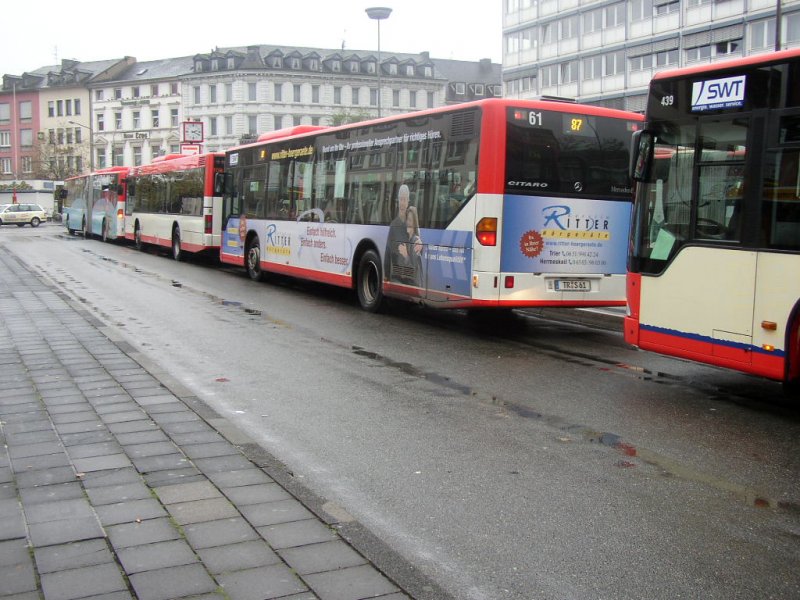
(486, 231)
(120, 213)
(207, 222)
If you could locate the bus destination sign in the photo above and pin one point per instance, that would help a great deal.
(715, 94)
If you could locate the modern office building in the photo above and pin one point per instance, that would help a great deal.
(606, 51)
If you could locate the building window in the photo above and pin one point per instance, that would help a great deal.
(593, 21)
(373, 97)
(137, 155)
(396, 98)
(354, 66)
(410, 70)
(117, 93)
(229, 125)
(60, 137)
(78, 135)
(51, 109)
(592, 67)
(252, 124)
(5, 166)
(460, 88)
(793, 27)
(698, 53)
(278, 92)
(641, 9)
(615, 15)
(729, 47)
(98, 95)
(569, 28)
(27, 164)
(212, 94)
(77, 106)
(615, 63)
(101, 158)
(412, 99)
(231, 63)
(296, 64)
(355, 94)
(154, 123)
(337, 95)
(173, 117)
(25, 110)
(5, 139)
(762, 34)
(667, 7)
(196, 94)
(392, 68)
(251, 92)
(228, 92)
(428, 71)
(135, 91)
(296, 121)
(26, 138)
(315, 94)
(118, 120)
(431, 100)
(212, 122)
(137, 120)
(117, 156)
(296, 92)
(5, 113)
(173, 89)
(154, 90)
(336, 66)
(667, 58)
(315, 120)
(101, 124)
(69, 136)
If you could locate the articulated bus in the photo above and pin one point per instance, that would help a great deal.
(714, 271)
(491, 204)
(176, 202)
(94, 203)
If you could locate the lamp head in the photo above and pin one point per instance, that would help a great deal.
(378, 12)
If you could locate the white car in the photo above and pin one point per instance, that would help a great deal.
(20, 214)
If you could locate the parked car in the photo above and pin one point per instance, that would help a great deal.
(20, 214)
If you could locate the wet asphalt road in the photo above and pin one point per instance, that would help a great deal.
(534, 458)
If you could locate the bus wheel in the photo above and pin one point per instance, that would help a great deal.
(369, 282)
(105, 231)
(791, 386)
(252, 259)
(85, 230)
(137, 238)
(177, 253)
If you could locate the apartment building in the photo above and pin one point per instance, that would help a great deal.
(605, 52)
(128, 112)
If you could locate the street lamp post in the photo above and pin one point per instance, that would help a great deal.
(91, 141)
(379, 13)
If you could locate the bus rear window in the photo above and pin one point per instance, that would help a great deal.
(567, 154)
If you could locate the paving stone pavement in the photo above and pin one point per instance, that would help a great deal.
(112, 487)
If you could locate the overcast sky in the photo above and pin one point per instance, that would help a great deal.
(38, 33)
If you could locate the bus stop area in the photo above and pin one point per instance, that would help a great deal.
(116, 482)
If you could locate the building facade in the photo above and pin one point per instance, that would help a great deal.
(606, 51)
(123, 112)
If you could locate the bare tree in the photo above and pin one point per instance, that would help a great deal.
(58, 161)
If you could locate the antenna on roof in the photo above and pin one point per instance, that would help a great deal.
(344, 35)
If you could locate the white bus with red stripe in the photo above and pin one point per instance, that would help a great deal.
(490, 204)
(714, 272)
(176, 202)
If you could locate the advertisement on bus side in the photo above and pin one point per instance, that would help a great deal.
(564, 235)
(434, 259)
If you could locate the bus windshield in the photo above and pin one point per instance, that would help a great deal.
(567, 153)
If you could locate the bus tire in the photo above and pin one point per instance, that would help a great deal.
(83, 227)
(104, 234)
(252, 259)
(369, 282)
(791, 385)
(177, 253)
(137, 237)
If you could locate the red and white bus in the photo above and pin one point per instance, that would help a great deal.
(491, 204)
(714, 272)
(176, 202)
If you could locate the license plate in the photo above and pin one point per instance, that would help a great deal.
(573, 285)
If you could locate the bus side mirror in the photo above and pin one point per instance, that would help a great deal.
(62, 194)
(642, 148)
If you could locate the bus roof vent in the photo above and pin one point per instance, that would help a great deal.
(557, 99)
(463, 124)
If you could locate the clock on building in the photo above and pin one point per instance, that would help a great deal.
(192, 131)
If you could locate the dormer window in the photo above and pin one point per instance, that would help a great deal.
(410, 70)
(198, 67)
(392, 69)
(296, 63)
(336, 66)
(231, 63)
(370, 67)
(215, 65)
(313, 64)
(428, 72)
(354, 67)
(277, 62)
